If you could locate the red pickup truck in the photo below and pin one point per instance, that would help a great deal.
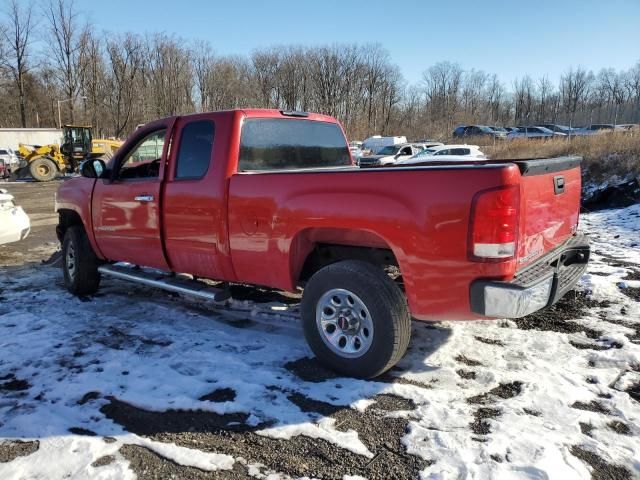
(273, 198)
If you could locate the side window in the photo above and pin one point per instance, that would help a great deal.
(442, 152)
(405, 151)
(194, 153)
(459, 151)
(144, 160)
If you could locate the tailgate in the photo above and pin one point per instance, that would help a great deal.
(549, 205)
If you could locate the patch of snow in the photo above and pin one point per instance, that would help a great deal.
(160, 353)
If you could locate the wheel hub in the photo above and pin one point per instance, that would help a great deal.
(344, 323)
(348, 323)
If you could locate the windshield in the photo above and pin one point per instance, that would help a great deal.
(425, 153)
(389, 150)
(485, 129)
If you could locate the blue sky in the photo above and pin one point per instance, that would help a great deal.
(510, 38)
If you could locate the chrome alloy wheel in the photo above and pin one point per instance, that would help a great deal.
(70, 260)
(344, 323)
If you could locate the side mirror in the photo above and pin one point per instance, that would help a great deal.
(93, 168)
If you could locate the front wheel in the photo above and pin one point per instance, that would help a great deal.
(355, 318)
(79, 262)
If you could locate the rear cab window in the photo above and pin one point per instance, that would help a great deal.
(271, 144)
(194, 152)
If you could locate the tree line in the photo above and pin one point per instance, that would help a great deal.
(52, 59)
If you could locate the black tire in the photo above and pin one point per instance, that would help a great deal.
(384, 301)
(79, 262)
(43, 169)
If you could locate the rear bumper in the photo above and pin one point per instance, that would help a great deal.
(538, 286)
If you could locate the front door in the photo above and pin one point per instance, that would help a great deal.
(126, 208)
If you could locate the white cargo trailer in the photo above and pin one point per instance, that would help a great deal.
(11, 137)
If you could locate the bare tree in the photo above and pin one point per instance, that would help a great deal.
(167, 76)
(632, 83)
(523, 93)
(545, 99)
(574, 90)
(473, 90)
(16, 33)
(93, 76)
(442, 87)
(125, 58)
(67, 48)
(203, 62)
(495, 98)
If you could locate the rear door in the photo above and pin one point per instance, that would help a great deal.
(550, 205)
(194, 207)
(126, 208)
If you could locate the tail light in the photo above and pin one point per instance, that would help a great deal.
(493, 229)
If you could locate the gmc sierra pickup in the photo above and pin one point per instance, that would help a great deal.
(272, 198)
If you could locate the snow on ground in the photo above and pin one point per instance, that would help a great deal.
(94, 387)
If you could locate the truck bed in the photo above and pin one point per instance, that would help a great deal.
(421, 213)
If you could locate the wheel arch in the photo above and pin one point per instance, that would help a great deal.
(315, 248)
(67, 218)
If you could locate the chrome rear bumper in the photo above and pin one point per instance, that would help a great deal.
(538, 286)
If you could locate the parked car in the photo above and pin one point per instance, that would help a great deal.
(445, 152)
(377, 142)
(629, 127)
(498, 129)
(560, 128)
(356, 152)
(9, 158)
(598, 128)
(428, 143)
(288, 209)
(14, 223)
(478, 131)
(534, 132)
(391, 154)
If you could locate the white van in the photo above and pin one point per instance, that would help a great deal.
(378, 142)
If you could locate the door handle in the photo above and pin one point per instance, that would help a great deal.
(144, 198)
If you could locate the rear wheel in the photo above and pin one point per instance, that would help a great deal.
(355, 318)
(79, 262)
(43, 169)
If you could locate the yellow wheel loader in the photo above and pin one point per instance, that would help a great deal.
(46, 162)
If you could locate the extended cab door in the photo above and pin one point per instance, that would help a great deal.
(126, 208)
(195, 197)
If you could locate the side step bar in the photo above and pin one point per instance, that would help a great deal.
(161, 280)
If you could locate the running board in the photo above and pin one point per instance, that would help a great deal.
(164, 281)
